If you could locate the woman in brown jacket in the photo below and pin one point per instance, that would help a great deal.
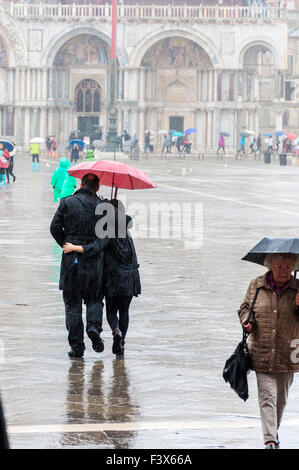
(274, 330)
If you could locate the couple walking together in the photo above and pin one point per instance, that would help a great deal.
(93, 268)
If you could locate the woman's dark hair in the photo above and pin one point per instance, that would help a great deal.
(91, 182)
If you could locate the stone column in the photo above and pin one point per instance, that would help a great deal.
(44, 84)
(18, 126)
(126, 119)
(119, 121)
(26, 117)
(51, 121)
(215, 75)
(141, 129)
(141, 85)
(43, 122)
(256, 122)
(199, 85)
(211, 89)
(10, 86)
(35, 123)
(205, 86)
(9, 121)
(50, 84)
(17, 84)
(209, 130)
(126, 84)
(22, 84)
(28, 84)
(278, 120)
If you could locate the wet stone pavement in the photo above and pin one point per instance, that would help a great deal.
(168, 391)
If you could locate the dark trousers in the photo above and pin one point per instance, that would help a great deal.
(35, 156)
(120, 304)
(73, 317)
(4, 444)
(9, 172)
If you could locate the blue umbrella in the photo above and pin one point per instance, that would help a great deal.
(78, 141)
(8, 145)
(268, 134)
(279, 133)
(190, 130)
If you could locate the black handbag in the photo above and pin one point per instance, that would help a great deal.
(238, 365)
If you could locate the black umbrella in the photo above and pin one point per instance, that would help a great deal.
(272, 245)
(224, 134)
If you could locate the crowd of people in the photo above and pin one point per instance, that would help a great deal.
(271, 144)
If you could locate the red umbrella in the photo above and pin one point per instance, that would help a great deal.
(291, 136)
(114, 174)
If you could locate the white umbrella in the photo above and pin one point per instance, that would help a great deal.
(37, 140)
(249, 132)
(162, 132)
(98, 144)
(151, 132)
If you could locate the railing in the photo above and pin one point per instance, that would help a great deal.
(154, 12)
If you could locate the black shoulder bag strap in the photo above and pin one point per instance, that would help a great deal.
(245, 334)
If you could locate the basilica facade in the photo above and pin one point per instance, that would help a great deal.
(214, 67)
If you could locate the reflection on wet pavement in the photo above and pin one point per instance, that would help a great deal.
(168, 392)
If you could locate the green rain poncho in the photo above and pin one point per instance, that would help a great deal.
(89, 157)
(68, 187)
(59, 176)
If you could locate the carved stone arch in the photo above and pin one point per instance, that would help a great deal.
(244, 48)
(10, 32)
(56, 44)
(155, 36)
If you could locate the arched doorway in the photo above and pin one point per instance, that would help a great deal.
(88, 107)
(179, 67)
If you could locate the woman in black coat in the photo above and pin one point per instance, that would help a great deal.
(121, 278)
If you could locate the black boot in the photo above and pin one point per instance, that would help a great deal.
(97, 342)
(74, 353)
(117, 339)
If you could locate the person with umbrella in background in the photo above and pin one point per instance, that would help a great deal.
(35, 151)
(147, 142)
(121, 274)
(167, 143)
(258, 145)
(80, 276)
(54, 146)
(242, 144)
(273, 329)
(252, 146)
(4, 163)
(269, 142)
(74, 153)
(9, 170)
(221, 144)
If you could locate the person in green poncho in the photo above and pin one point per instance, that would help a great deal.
(68, 187)
(59, 176)
(90, 156)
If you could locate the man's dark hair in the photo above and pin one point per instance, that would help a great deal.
(91, 182)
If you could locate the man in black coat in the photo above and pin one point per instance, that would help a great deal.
(81, 277)
(121, 273)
